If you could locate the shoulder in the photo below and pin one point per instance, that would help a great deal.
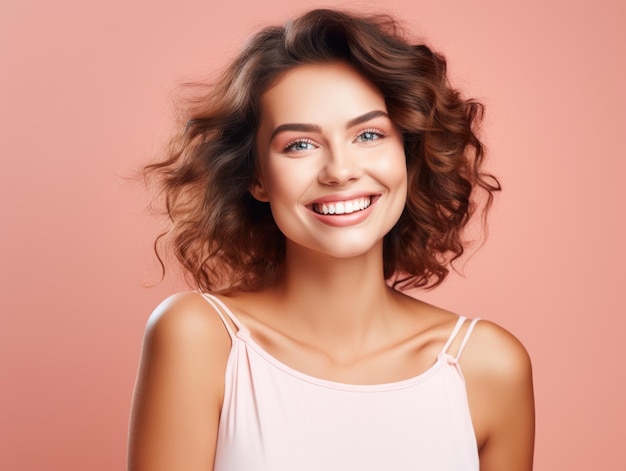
(496, 367)
(180, 386)
(495, 355)
(186, 342)
(498, 376)
(186, 336)
(186, 317)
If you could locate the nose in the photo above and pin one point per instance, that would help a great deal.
(340, 166)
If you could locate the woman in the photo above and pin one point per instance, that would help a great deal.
(331, 167)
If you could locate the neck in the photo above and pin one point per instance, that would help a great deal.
(335, 298)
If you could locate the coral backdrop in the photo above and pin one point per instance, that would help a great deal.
(85, 99)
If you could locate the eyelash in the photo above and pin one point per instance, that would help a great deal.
(289, 147)
(376, 132)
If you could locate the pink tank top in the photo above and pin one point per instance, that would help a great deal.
(275, 418)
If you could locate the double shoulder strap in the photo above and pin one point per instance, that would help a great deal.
(455, 332)
(224, 313)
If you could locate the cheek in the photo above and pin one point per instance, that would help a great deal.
(283, 186)
(402, 190)
(394, 167)
(287, 178)
(396, 170)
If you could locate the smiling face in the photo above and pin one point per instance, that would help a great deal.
(331, 162)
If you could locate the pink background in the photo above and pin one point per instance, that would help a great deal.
(85, 98)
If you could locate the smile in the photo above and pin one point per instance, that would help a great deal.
(343, 207)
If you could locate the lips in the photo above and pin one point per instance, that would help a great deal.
(342, 207)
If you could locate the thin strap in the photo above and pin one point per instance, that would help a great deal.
(466, 338)
(221, 309)
(455, 331)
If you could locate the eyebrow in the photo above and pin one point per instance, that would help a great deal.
(307, 127)
(366, 117)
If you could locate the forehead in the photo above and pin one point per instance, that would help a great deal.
(317, 93)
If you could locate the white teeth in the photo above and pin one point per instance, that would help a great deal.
(343, 207)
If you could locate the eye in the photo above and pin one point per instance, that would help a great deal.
(299, 145)
(369, 135)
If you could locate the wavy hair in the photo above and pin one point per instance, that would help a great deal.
(228, 241)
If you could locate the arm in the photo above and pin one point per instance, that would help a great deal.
(498, 376)
(179, 389)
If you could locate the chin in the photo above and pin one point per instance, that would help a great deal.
(346, 249)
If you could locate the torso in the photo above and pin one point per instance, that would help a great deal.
(412, 341)
(421, 419)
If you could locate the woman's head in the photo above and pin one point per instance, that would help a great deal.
(228, 240)
(330, 162)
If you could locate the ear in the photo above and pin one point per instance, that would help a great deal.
(258, 191)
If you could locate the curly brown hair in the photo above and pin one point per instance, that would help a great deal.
(228, 241)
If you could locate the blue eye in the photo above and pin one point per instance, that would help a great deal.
(299, 145)
(369, 135)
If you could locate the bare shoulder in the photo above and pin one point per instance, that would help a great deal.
(180, 386)
(495, 354)
(187, 318)
(185, 349)
(498, 376)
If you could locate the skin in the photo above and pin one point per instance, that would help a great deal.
(323, 136)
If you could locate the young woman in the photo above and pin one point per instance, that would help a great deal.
(330, 168)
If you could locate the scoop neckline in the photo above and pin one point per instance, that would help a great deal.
(244, 336)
